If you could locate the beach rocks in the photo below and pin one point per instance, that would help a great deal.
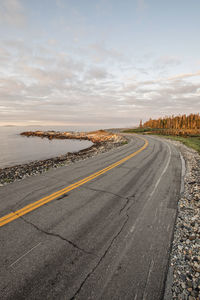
(98, 136)
(10, 174)
(185, 255)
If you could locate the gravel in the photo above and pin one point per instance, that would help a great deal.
(185, 254)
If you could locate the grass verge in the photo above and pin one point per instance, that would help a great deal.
(192, 142)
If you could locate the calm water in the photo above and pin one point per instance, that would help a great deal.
(16, 149)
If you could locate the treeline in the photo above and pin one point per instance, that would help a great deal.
(175, 125)
(175, 122)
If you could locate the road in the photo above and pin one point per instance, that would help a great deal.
(106, 235)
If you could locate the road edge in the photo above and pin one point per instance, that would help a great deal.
(167, 295)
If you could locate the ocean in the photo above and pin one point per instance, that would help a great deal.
(16, 149)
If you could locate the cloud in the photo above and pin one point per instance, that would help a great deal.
(52, 42)
(101, 53)
(97, 73)
(4, 53)
(172, 78)
(12, 13)
(184, 75)
(166, 62)
(59, 87)
(141, 5)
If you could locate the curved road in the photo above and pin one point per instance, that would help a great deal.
(108, 237)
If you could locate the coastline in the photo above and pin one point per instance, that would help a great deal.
(103, 142)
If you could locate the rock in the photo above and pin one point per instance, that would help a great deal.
(180, 247)
(189, 283)
(192, 237)
(196, 267)
(98, 136)
(183, 285)
(185, 256)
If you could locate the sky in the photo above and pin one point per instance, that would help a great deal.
(101, 63)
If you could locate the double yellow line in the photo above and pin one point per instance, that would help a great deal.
(30, 207)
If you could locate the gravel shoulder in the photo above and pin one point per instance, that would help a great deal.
(184, 270)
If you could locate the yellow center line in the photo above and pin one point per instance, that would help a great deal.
(30, 207)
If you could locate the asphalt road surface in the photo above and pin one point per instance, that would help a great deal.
(107, 237)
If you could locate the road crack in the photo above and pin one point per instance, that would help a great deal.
(57, 236)
(101, 258)
(128, 199)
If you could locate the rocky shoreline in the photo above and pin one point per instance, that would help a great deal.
(103, 142)
(98, 136)
(185, 255)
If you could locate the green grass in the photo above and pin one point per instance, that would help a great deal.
(139, 130)
(124, 142)
(192, 142)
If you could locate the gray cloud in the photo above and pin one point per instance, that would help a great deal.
(11, 13)
(185, 75)
(97, 73)
(167, 61)
(101, 53)
(59, 88)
